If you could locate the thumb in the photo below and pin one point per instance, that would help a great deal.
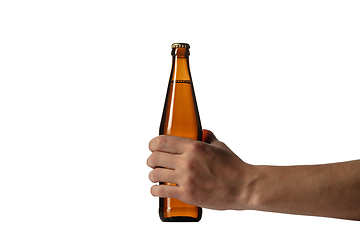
(209, 137)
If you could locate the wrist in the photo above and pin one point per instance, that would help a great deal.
(250, 197)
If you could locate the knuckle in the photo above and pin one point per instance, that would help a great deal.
(189, 195)
(195, 147)
(188, 180)
(190, 186)
(189, 164)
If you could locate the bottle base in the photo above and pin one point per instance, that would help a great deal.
(180, 219)
(187, 218)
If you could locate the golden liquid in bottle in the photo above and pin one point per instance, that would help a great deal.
(180, 118)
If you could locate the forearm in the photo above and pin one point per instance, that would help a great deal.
(330, 190)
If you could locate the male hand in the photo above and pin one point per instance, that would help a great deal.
(207, 174)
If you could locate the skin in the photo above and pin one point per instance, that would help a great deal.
(208, 174)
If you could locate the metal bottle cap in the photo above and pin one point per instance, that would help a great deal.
(180, 45)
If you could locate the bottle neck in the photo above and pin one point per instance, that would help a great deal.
(180, 67)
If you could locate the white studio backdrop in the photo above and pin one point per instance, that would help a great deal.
(82, 87)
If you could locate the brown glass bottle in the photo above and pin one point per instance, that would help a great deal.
(180, 118)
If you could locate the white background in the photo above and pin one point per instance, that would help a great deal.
(82, 87)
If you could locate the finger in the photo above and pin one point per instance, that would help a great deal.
(163, 175)
(165, 191)
(162, 159)
(169, 144)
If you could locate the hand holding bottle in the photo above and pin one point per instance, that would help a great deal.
(207, 174)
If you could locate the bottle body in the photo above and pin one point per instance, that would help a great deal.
(180, 118)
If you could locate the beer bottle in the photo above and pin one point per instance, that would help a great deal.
(180, 118)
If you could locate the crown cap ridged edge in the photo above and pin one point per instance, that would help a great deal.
(180, 45)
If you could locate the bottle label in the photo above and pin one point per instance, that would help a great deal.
(181, 81)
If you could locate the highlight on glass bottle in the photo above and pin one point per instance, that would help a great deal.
(180, 118)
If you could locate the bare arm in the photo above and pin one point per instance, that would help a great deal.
(208, 174)
(330, 190)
